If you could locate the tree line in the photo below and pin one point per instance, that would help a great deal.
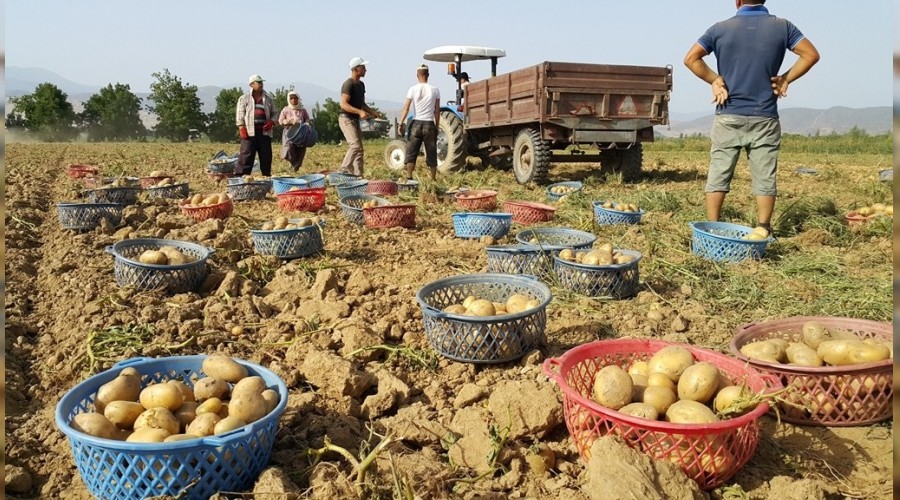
(113, 114)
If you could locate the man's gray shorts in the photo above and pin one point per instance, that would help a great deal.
(760, 136)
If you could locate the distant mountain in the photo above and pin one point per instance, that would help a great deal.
(803, 121)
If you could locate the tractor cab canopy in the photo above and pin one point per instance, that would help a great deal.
(458, 53)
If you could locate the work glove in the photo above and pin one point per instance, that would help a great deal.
(268, 126)
(243, 132)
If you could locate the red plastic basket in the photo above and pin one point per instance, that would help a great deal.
(382, 187)
(79, 171)
(477, 200)
(390, 216)
(710, 454)
(854, 219)
(220, 211)
(834, 396)
(153, 181)
(528, 212)
(302, 200)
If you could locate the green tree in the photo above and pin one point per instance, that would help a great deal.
(220, 124)
(46, 112)
(113, 115)
(325, 119)
(177, 106)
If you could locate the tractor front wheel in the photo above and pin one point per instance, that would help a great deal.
(395, 154)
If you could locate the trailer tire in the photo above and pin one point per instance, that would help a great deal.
(531, 157)
(395, 154)
(626, 161)
(452, 146)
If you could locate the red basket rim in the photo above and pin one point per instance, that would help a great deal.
(79, 166)
(391, 206)
(577, 354)
(185, 202)
(530, 204)
(479, 194)
(303, 191)
(750, 331)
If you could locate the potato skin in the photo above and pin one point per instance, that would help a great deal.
(94, 424)
(125, 387)
(123, 413)
(699, 382)
(690, 412)
(203, 425)
(671, 360)
(148, 435)
(210, 387)
(224, 368)
(163, 395)
(158, 418)
(612, 387)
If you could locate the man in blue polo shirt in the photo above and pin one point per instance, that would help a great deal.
(749, 49)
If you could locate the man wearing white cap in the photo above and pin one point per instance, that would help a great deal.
(353, 109)
(255, 117)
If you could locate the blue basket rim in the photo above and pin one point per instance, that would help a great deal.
(69, 399)
(698, 226)
(490, 215)
(598, 205)
(312, 177)
(352, 184)
(89, 205)
(114, 250)
(242, 182)
(577, 184)
(587, 267)
(476, 278)
(407, 182)
(287, 231)
(289, 179)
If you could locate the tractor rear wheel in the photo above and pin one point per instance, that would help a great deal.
(627, 161)
(531, 157)
(451, 143)
(395, 154)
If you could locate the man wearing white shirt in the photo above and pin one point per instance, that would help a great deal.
(425, 100)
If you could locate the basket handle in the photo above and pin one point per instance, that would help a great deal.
(551, 369)
(131, 362)
(109, 249)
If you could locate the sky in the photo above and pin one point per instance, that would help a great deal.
(222, 42)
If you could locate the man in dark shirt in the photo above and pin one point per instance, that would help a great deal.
(353, 109)
(749, 48)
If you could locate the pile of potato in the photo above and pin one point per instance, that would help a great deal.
(603, 255)
(474, 306)
(165, 256)
(669, 386)
(199, 200)
(119, 182)
(168, 181)
(220, 161)
(875, 210)
(172, 411)
(759, 233)
(563, 190)
(621, 207)
(283, 222)
(370, 204)
(820, 346)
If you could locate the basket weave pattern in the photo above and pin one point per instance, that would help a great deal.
(526, 212)
(555, 197)
(174, 191)
(618, 281)
(390, 216)
(710, 454)
(605, 216)
(288, 243)
(346, 189)
(351, 206)
(723, 242)
(284, 184)
(476, 225)
(124, 195)
(302, 200)
(834, 396)
(557, 238)
(314, 180)
(86, 216)
(174, 279)
(222, 166)
(382, 187)
(519, 259)
(199, 214)
(477, 200)
(254, 190)
(335, 178)
(79, 171)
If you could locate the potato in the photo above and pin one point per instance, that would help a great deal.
(123, 413)
(640, 367)
(482, 307)
(813, 333)
(212, 199)
(659, 397)
(271, 398)
(210, 387)
(687, 411)
(455, 309)
(197, 199)
(186, 392)
(567, 254)
(228, 424)
(516, 303)
(158, 418)
(865, 353)
(762, 350)
(153, 257)
(802, 355)
(640, 410)
(660, 379)
(247, 402)
(672, 361)
(186, 413)
(180, 437)
(728, 395)
(468, 300)
(612, 387)
(836, 352)
(268, 226)
(203, 425)
(532, 304)
(224, 368)
(148, 435)
(174, 256)
(211, 405)
(125, 387)
(155, 173)
(94, 424)
(699, 382)
(163, 395)
(281, 222)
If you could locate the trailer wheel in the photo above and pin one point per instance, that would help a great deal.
(531, 157)
(395, 154)
(626, 161)
(451, 143)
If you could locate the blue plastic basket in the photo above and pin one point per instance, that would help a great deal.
(87, 216)
(289, 243)
(178, 191)
(617, 281)
(605, 216)
(253, 190)
(408, 186)
(198, 468)
(723, 242)
(476, 224)
(529, 260)
(171, 278)
(335, 178)
(222, 165)
(555, 197)
(284, 184)
(123, 195)
(352, 187)
(553, 239)
(314, 180)
(492, 339)
(351, 206)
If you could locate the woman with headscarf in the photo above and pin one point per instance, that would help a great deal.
(292, 116)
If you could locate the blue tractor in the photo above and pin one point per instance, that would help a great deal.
(453, 144)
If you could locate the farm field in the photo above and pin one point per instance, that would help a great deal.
(344, 331)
